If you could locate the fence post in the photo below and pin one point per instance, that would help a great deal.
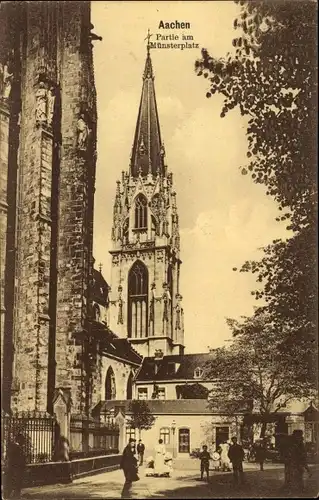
(62, 409)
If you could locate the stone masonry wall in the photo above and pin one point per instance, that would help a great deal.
(33, 234)
(55, 191)
(4, 139)
(75, 211)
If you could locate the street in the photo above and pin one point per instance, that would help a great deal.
(184, 483)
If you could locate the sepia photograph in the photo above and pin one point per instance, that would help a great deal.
(159, 272)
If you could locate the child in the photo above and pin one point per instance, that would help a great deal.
(216, 461)
(204, 462)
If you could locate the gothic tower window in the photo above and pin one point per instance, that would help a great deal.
(137, 300)
(110, 387)
(140, 212)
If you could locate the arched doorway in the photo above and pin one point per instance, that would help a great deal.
(138, 300)
(110, 386)
(129, 387)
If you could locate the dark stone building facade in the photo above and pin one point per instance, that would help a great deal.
(48, 158)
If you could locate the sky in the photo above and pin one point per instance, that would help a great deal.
(225, 218)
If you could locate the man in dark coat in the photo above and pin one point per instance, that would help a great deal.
(140, 451)
(16, 464)
(236, 455)
(130, 468)
(296, 460)
(260, 453)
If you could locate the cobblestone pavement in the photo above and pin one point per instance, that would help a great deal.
(184, 483)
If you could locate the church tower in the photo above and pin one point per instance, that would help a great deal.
(145, 304)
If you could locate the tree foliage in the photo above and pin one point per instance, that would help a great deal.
(140, 417)
(191, 391)
(272, 80)
(255, 374)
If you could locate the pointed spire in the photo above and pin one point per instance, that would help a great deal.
(147, 146)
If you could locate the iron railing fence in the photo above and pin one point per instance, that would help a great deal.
(103, 437)
(39, 430)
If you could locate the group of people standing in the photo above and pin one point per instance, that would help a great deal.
(225, 455)
(293, 453)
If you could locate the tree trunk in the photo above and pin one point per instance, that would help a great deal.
(263, 430)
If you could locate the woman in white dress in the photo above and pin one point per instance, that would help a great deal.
(224, 460)
(159, 463)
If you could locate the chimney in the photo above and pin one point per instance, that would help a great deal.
(158, 356)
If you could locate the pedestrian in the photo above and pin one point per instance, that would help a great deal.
(224, 459)
(159, 463)
(204, 462)
(140, 451)
(260, 453)
(129, 467)
(16, 465)
(236, 455)
(296, 462)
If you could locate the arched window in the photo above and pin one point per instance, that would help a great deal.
(110, 387)
(141, 212)
(137, 300)
(129, 387)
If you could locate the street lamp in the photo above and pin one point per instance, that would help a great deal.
(112, 413)
(173, 427)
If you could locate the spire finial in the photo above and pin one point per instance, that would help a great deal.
(148, 71)
(148, 41)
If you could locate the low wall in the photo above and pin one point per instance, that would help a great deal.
(64, 472)
(47, 473)
(93, 465)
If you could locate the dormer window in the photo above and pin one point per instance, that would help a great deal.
(198, 373)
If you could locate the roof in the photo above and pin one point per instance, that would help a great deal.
(112, 345)
(147, 152)
(122, 348)
(174, 367)
(100, 289)
(168, 406)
